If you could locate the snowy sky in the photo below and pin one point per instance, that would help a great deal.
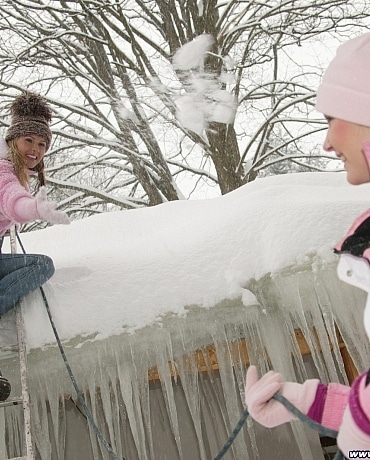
(123, 270)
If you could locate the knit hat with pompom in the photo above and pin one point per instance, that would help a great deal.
(31, 114)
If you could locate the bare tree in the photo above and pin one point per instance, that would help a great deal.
(106, 68)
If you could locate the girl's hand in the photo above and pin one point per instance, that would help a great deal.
(267, 411)
(47, 211)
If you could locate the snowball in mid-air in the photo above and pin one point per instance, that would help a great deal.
(191, 55)
(190, 113)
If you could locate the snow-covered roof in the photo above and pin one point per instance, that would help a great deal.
(121, 271)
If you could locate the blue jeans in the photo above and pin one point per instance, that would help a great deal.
(21, 274)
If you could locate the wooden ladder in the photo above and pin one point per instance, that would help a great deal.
(24, 399)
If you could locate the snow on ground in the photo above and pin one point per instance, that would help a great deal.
(122, 271)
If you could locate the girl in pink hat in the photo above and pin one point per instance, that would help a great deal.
(344, 98)
(21, 155)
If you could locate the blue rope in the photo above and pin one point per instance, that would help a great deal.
(233, 435)
(300, 415)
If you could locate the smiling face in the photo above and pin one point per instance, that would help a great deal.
(32, 149)
(346, 140)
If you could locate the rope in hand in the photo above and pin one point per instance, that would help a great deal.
(300, 415)
(80, 396)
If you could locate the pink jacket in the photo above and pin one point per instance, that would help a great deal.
(17, 205)
(347, 409)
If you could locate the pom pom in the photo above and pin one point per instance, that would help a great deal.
(31, 105)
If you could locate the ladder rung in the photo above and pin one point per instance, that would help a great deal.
(11, 402)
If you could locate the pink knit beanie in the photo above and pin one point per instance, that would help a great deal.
(345, 89)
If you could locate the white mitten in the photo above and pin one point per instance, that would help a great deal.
(47, 211)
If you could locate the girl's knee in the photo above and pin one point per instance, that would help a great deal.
(46, 265)
(50, 269)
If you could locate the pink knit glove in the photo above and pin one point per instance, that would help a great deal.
(47, 211)
(354, 433)
(269, 412)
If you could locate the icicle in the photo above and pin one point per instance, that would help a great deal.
(15, 431)
(41, 426)
(107, 412)
(91, 404)
(57, 414)
(167, 386)
(228, 385)
(131, 400)
(142, 364)
(3, 449)
(188, 371)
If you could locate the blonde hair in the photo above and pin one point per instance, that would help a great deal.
(20, 166)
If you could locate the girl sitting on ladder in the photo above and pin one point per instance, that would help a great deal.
(21, 154)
